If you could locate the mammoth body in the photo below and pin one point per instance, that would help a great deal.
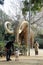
(22, 33)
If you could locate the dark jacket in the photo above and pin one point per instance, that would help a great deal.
(9, 45)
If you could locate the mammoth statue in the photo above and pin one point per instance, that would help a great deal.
(22, 32)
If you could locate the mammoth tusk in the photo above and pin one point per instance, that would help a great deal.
(8, 28)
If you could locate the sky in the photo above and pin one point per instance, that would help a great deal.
(11, 7)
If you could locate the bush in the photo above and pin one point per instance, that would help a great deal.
(23, 49)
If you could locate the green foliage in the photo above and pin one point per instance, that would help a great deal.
(1, 2)
(2, 32)
(35, 5)
(8, 37)
(2, 44)
(35, 1)
(24, 10)
(23, 49)
(39, 39)
(16, 45)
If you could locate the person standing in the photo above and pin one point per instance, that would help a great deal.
(17, 54)
(36, 46)
(8, 47)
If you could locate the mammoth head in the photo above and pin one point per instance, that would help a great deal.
(23, 25)
(8, 27)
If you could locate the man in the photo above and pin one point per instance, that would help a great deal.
(8, 47)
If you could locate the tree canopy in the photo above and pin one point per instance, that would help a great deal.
(35, 5)
(1, 2)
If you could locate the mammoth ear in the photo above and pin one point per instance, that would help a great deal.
(8, 27)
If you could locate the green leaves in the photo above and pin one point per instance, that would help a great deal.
(36, 5)
(24, 10)
(35, 1)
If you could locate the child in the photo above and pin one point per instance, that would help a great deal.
(16, 54)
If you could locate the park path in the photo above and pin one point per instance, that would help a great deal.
(25, 60)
